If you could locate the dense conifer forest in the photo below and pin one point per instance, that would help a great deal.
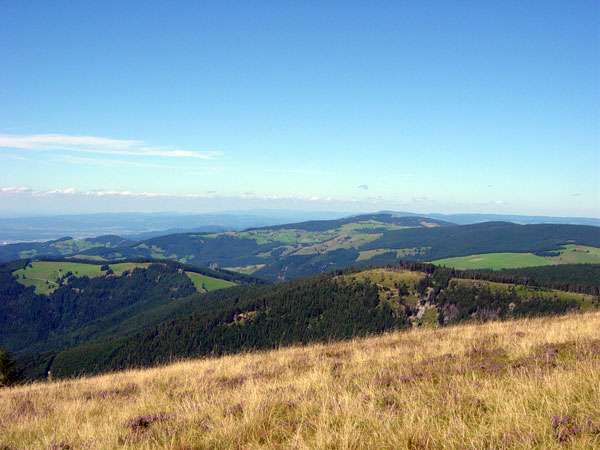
(84, 309)
(332, 306)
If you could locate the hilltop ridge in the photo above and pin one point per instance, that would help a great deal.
(300, 249)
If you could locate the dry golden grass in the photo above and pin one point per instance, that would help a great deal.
(523, 384)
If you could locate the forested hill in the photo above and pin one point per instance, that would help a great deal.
(66, 246)
(337, 305)
(487, 237)
(291, 251)
(584, 278)
(383, 218)
(55, 304)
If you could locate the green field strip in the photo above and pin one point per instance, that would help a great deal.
(206, 284)
(569, 254)
(50, 271)
(576, 254)
(494, 261)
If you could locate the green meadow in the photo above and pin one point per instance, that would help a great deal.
(494, 261)
(569, 254)
(205, 284)
(246, 270)
(577, 254)
(369, 225)
(387, 277)
(44, 274)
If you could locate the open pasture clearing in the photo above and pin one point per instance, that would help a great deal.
(27, 253)
(64, 247)
(402, 253)
(369, 225)
(388, 281)
(577, 254)
(387, 277)
(522, 384)
(205, 284)
(37, 273)
(70, 246)
(569, 254)
(358, 233)
(88, 257)
(246, 270)
(345, 241)
(494, 261)
(368, 254)
(42, 271)
(287, 236)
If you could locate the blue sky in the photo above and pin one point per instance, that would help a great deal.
(352, 106)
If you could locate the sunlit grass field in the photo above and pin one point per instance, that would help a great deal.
(494, 261)
(65, 247)
(204, 283)
(37, 273)
(570, 254)
(527, 384)
(41, 271)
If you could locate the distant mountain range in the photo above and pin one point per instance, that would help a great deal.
(466, 219)
(140, 226)
(295, 250)
(143, 225)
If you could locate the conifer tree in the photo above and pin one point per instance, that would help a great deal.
(9, 375)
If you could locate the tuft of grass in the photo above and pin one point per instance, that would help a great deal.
(503, 385)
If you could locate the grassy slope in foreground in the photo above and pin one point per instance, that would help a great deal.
(522, 384)
(570, 254)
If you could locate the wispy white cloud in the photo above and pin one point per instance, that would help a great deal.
(15, 190)
(97, 145)
(291, 198)
(13, 156)
(126, 193)
(72, 193)
(68, 191)
(117, 162)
